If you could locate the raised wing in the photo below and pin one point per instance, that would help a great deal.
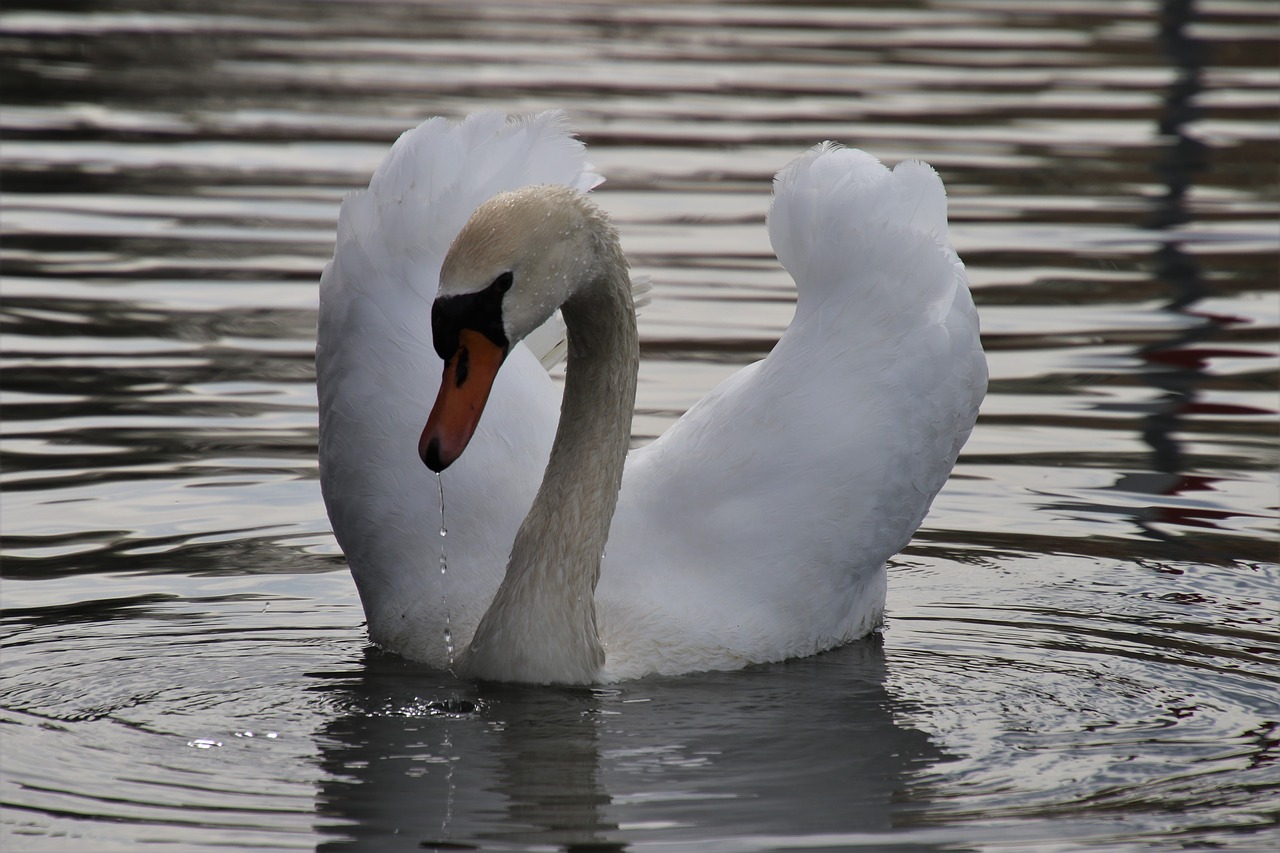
(781, 494)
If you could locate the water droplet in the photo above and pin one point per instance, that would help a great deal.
(444, 576)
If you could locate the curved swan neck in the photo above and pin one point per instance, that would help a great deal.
(541, 626)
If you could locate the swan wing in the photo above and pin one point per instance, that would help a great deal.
(759, 524)
(377, 372)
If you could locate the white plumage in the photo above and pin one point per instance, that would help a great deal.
(758, 526)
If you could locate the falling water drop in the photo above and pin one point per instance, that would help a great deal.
(444, 573)
(444, 531)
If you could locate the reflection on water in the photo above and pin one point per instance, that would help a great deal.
(1081, 647)
(439, 763)
(1173, 366)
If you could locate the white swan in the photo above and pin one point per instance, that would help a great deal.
(755, 529)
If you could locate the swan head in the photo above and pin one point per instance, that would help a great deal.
(521, 256)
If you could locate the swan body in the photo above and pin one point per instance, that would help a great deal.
(755, 529)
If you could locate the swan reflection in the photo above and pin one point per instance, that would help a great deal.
(800, 749)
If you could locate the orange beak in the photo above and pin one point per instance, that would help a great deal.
(464, 389)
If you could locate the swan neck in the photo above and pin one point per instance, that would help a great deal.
(541, 626)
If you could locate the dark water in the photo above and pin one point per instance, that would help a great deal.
(1082, 647)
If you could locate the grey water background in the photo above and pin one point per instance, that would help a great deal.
(1081, 649)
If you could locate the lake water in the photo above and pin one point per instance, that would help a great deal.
(1082, 648)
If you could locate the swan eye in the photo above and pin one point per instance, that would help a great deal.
(481, 311)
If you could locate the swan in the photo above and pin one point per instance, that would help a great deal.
(756, 529)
